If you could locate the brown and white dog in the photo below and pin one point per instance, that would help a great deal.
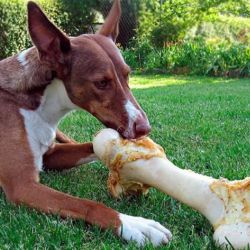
(42, 84)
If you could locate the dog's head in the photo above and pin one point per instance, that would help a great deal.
(93, 70)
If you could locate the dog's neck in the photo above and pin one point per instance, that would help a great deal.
(55, 103)
(40, 124)
(24, 72)
(27, 78)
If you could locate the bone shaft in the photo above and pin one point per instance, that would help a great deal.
(186, 186)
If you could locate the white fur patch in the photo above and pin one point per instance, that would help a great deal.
(41, 124)
(132, 111)
(40, 135)
(143, 230)
(22, 57)
(88, 159)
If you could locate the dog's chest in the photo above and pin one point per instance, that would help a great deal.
(40, 135)
(40, 125)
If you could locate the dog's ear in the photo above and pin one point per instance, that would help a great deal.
(51, 43)
(110, 27)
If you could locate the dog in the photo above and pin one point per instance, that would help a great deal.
(41, 85)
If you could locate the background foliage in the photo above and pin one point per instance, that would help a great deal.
(191, 58)
(169, 21)
(192, 37)
(72, 16)
(207, 37)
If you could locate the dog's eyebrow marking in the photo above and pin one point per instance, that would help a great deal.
(22, 57)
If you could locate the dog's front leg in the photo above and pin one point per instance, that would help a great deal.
(62, 138)
(66, 156)
(29, 192)
(45, 199)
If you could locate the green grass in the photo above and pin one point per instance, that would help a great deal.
(202, 123)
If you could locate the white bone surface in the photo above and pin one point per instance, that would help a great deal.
(136, 165)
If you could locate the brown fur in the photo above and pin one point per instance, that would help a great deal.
(83, 64)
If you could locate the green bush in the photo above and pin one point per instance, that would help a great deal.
(13, 34)
(223, 28)
(170, 21)
(193, 58)
(72, 16)
(167, 21)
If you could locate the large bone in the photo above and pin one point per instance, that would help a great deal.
(137, 165)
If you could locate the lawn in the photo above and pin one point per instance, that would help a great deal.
(202, 123)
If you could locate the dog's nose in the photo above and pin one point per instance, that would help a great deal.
(142, 127)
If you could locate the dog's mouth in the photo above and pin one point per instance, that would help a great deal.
(138, 129)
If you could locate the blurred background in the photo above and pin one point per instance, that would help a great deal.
(190, 37)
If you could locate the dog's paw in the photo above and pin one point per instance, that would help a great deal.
(143, 231)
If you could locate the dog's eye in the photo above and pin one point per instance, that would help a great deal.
(102, 84)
